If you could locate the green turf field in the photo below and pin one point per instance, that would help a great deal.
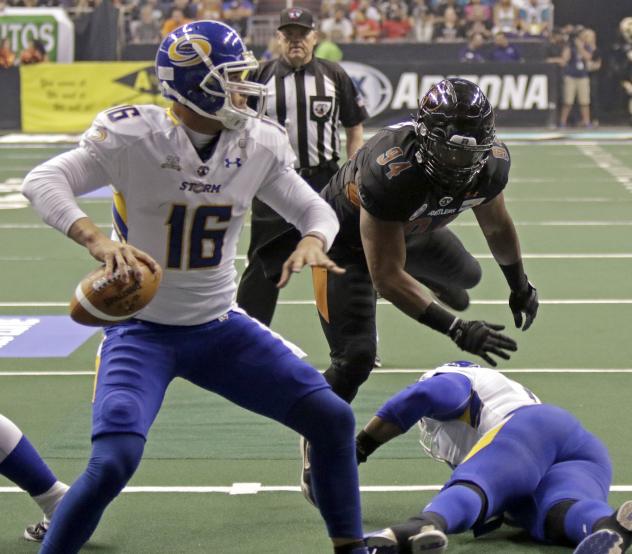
(572, 206)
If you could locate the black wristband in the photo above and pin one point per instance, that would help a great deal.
(365, 446)
(515, 275)
(437, 318)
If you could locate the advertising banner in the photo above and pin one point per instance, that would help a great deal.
(64, 98)
(522, 93)
(51, 26)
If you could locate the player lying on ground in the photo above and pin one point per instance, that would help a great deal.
(184, 181)
(512, 456)
(21, 463)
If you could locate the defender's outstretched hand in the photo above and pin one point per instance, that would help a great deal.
(309, 251)
(482, 338)
(524, 301)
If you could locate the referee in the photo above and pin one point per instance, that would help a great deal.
(311, 98)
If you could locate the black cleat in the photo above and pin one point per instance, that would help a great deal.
(37, 531)
(613, 536)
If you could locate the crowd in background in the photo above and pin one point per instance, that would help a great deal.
(489, 30)
(340, 20)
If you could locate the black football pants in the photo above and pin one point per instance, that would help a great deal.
(346, 303)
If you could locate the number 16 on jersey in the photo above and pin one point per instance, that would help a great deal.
(189, 227)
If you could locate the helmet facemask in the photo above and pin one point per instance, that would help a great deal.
(452, 159)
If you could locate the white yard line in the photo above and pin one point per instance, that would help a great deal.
(392, 371)
(255, 488)
(612, 165)
(571, 301)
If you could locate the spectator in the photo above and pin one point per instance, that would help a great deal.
(368, 7)
(189, 9)
(210, 9)
(473, 52)
(35, 52)
(555, 47)
(176, 20)
(423, 20)
(576, 56)
(535, 17)
(327, 49)
(623, 60)
(476, 15)
(506, 17)
(147, 29)
(237, 14)
(393, 9)
(397, 25)
(589, 38)
(366, 29)
(445, 5)
(450, 30)
(7, 56)
(502, 51)
(338, 28)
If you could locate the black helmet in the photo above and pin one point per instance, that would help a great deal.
(455, 129)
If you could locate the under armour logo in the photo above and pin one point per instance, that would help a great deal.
(228, 162)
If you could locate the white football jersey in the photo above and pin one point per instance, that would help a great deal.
(185, 212)
(493, 398)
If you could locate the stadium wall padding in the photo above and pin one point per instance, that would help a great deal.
(64, 98)
(10, 99)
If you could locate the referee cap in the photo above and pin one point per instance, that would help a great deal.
(297, 16)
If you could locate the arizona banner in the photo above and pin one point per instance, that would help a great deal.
(64, 98)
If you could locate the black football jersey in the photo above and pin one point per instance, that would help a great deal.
(386, 177)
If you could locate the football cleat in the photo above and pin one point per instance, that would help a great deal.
(430, 541)
(37, 531)
(306, 473)
(603, 541)
(614, 535)
(382, 542)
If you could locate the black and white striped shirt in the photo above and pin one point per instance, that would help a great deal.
(311, 102)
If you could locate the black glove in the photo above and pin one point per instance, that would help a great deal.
(481, 338)
(525, 301)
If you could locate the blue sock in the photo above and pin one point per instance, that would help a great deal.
(459, 506)
(113, 461)
(25, 467)
(327, 422)
(581, 517)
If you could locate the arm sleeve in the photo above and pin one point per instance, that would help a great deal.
(298, 204)
(443, 396)
(52, 186)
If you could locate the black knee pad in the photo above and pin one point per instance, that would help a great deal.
(554, 523)
(346, 376)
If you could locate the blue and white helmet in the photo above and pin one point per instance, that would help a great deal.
(201, 64)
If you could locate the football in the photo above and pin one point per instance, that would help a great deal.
(99, 301)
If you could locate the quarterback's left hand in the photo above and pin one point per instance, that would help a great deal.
(309, 251)
(524, 301)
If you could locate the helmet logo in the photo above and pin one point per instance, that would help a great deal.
(445, 201)
(182, 53)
